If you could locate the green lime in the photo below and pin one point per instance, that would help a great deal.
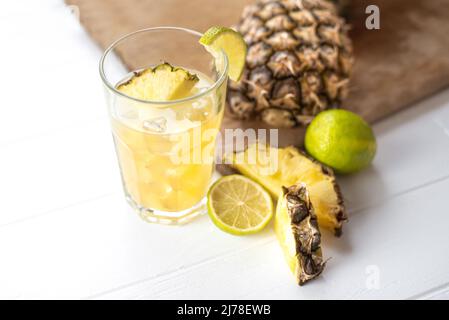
(238, 205)
(231, 42)
(341, 140)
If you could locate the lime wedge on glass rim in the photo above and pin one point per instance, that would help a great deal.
(231, 42)
(238, 205)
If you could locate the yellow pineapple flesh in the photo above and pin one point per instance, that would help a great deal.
(274, 168)
(161, 83)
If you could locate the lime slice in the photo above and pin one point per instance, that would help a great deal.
(238, 205)
(161, 83)
(231, 42)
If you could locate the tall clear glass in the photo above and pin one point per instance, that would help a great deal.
(165, 149)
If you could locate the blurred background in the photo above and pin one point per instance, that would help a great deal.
(396, 65)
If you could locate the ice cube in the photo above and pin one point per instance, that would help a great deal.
(200, 103)
(130, 115)
(203, 89)
(158, 124)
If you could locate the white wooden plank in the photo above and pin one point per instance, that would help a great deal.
(95, 247)
(55, 145)
(439, 293)
(444, 295)
(56, 170)
(50, 71)
(390, 238)
(413, 150)
(100, 245)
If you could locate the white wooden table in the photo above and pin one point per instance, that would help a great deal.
(66, 231)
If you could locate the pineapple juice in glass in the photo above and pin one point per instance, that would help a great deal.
(165, 147)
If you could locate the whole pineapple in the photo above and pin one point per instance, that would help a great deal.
(298, 62)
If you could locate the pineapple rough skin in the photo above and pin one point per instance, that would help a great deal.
(302, 248)
(298, 63)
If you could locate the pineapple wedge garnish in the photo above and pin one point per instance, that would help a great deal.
(290, 166)
(161, 83)
(298, 233)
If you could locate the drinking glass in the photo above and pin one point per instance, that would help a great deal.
(165, 149)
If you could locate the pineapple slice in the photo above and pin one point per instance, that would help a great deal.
(161, 83)
(288, 166)
(297, 230)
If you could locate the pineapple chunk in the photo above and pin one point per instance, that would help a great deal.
(161, 83)
(291, 166)
(297, 230)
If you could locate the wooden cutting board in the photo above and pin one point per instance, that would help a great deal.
(397, 65)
